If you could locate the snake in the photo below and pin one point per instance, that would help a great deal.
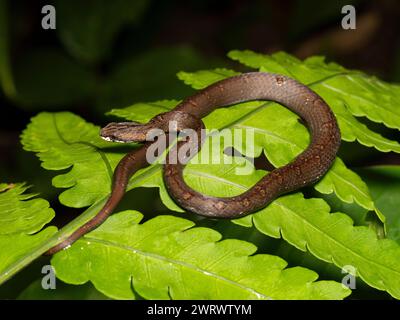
(305, 169)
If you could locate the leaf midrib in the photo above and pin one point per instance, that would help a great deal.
(88, 239)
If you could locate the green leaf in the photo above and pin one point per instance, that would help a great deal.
(63, 140)
(88, 29)
(59, 145)
(384, 183)
(166, 257)
(32, 215)
(21, 221)
(348, 186)
(308, 225)
(219, 180)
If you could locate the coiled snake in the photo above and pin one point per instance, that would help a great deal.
(307, 168)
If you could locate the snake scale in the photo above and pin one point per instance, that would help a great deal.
(307, 168)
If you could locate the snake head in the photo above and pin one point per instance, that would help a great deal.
(124, 132)
(175, 121)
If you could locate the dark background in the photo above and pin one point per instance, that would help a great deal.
(107, 54)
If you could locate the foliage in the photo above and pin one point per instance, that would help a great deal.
(167, 256)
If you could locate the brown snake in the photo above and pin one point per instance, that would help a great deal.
(305, 169)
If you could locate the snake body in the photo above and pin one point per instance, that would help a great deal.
(307, 168)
